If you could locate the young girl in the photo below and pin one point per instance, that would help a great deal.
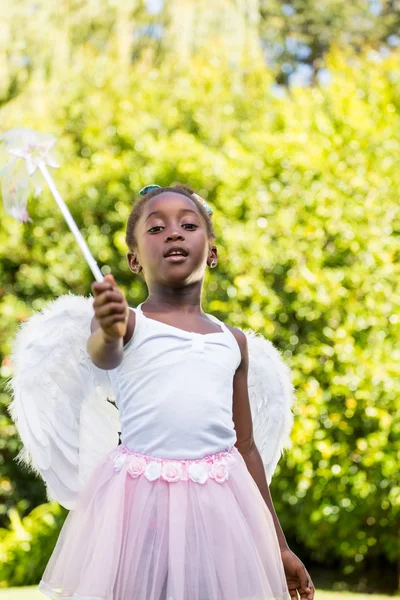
(181, 510)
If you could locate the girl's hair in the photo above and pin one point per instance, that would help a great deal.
(178, 188)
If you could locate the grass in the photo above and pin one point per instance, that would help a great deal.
(31, 593)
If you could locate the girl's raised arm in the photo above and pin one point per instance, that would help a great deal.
(109, 326)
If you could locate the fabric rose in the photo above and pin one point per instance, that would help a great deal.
(198, 472)
(136, 466)
(219, 472)
(153, 471)
(119, 462)
(171, 471)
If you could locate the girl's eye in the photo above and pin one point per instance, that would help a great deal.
(187, 226)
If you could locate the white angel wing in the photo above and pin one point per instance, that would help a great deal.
(59, 402)
(271, 395)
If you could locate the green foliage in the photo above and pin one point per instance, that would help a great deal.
(26, 546)
(44, 38)
(301, 32)
(305, 195)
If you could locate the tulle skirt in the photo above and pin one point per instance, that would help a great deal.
(149, 529)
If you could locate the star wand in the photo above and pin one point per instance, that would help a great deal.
(29, 152)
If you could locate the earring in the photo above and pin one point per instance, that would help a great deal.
(213, 264)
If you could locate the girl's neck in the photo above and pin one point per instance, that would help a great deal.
(186, 299)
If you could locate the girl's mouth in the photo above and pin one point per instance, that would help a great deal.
(176, 254)
(175, 258)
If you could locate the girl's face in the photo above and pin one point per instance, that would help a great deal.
(173, 248)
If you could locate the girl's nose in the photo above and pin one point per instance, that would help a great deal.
(174, 235)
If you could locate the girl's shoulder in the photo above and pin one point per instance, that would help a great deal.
(240, 337)
(238, 333)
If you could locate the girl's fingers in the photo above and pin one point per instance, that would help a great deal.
(110, 320)
(309, 594)
(108, 297)
(311, 590)
(293, 592)
(99, 288)
(304, 595)
(306, 587)
(112, 308)
(110, 278)
(109, 304)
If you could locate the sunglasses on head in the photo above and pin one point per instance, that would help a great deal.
(154, 186)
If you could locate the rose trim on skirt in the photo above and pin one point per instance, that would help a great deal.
(214, 467)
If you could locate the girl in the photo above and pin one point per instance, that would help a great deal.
(181, 510)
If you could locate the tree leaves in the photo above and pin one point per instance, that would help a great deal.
(304, 190)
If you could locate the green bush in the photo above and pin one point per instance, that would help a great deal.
(27, 545)
(305, 194)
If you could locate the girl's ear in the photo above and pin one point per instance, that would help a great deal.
(212, 259)
(134, 263)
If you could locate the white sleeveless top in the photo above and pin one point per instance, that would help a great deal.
(174, 390)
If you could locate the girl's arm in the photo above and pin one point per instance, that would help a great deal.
(105, 354)
(244, 433)
(297, 576)
(112, 325)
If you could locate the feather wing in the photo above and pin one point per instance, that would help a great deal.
(271, 395)
(59, 398)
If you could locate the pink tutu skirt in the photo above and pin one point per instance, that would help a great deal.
(155, 529)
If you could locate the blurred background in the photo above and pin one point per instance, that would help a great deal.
(285, 116)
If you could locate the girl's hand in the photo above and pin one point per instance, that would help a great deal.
(110, 309)
(297, 577)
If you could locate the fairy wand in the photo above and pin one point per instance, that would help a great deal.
(30, 152)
